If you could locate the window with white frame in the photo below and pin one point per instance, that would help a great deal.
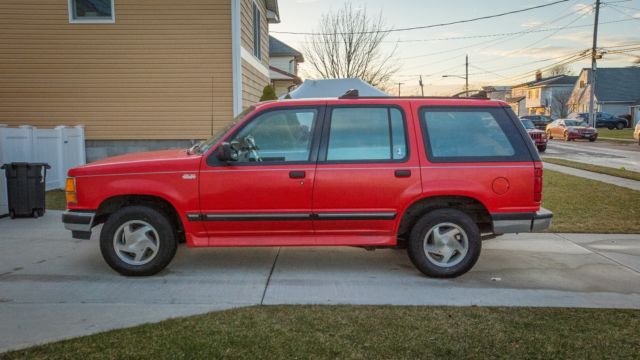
(92, 11)
(256, 31)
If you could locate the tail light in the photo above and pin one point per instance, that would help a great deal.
(70, 191)
(537, 183)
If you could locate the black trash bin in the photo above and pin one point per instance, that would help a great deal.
(25, 188)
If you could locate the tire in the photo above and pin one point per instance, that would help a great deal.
(592, 139)
(435, 264)
(610, 127)
(542, 148)
(549, 135)
(565, 136)
(620, 125)
(152, 238)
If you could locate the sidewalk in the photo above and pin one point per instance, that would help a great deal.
(53, 287)
(614, 180)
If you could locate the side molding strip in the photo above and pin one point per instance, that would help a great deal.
(292, 216)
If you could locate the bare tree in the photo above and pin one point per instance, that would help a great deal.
(560, 103)
(349, 45)
(559, 70)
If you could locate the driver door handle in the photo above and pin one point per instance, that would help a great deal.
(297, 174)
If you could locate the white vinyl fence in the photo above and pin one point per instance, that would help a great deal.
(62, 148)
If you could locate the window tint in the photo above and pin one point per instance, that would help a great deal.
(472, 134)
(366, 134)
(276, 136)
(91, 10)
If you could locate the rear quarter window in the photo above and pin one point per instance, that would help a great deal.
(471, 135)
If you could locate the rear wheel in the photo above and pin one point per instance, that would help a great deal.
(138, 241)
(610, 127)
(444, 243)
(620, 125)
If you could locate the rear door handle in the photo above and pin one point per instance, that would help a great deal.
(296, 174)
(403, 173)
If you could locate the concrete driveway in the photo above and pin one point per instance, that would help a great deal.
(53, 287)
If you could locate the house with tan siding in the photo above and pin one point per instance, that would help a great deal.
(138, 75)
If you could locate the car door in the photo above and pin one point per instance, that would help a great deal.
(264, 198)
(367, 169)
(558, 129)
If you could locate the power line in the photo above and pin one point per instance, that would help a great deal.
(427, 26)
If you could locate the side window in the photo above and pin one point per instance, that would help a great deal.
(366, 134)
(276, 136)
(256, 31)
(471, 134)
(91, 11)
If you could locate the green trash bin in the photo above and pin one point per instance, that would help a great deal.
(25, 188)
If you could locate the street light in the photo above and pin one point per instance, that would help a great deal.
(465, 78)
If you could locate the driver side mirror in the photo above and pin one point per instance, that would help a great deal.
(227, 153)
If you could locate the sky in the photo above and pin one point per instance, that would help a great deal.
(496, 60)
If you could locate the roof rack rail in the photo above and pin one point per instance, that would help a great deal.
(416, 97)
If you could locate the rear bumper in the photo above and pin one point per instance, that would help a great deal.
(79, 222)
(505, 223)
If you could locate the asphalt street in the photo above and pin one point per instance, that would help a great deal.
(601, 153)
(53, 287)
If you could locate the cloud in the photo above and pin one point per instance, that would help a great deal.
(533, 53)
(581, 8)
(531, 24)
(585, 38)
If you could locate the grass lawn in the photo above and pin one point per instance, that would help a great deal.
(615, 134)
(366, 332)
(627, 174)
(55, 200)
(583, 205)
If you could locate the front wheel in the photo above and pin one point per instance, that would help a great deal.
(138, 241)
(549, 135)
(565, 136)
(542, 148)
(444, 243)
(620, 125)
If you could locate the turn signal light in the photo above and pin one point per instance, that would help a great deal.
(70, 191)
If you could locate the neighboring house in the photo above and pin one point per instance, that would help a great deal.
(635, 113)
(283, 66)
(518, 99)
(138, 75)
(550, 96)
(334, 88)
(617, 89)
(498, 92)
(542, 96)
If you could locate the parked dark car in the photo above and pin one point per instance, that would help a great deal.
(539, 137)
(539, 121)
(604, 120)
(571, 129)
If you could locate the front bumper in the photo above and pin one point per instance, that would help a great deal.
(79, 222)
(504, 223)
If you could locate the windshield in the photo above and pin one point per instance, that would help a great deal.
(203, 146)
(528, 124)
(575, 123)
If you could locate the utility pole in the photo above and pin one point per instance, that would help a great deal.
(421, 86)
(594, 65)
(466, 74)
(399, 84)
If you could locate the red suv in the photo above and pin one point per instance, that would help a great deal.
(433, 175)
